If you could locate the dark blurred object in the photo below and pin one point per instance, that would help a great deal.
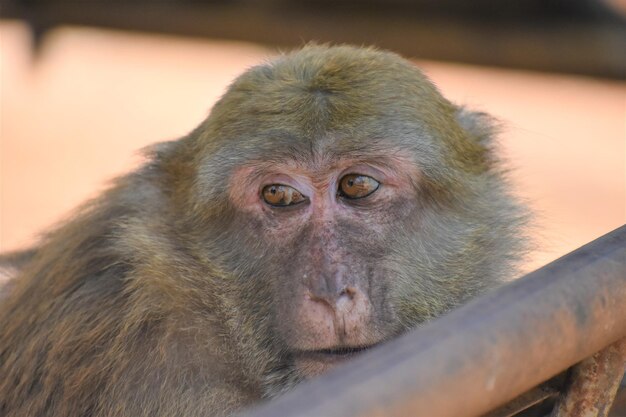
(576, 36)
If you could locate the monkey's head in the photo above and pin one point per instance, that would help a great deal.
(334, 199)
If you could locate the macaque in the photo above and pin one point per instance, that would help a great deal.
(332, 200)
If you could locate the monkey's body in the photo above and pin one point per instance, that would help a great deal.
(332, 200)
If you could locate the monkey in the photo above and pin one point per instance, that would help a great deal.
(332, 200)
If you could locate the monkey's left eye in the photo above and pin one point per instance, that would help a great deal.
(355, 186)
(281, 195)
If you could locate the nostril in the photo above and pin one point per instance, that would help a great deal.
(345, 301)
(315, 299)
(349, 292)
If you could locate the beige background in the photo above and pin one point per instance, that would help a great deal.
(76, 116)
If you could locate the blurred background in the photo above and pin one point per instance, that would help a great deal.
(84, 85)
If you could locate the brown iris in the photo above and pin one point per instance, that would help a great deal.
(281, 195)
(357, 186)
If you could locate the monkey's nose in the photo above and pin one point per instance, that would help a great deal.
(346, 312)
(341, 301)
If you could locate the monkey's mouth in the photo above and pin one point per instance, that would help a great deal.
(331, 355)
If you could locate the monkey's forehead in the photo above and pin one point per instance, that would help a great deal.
(276, 145)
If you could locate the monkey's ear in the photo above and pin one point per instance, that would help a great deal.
(479, 126)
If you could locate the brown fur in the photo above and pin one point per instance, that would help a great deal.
(178, 292)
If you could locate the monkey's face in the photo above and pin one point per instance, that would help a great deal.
(327, 228)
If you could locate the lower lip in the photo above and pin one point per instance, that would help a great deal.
(330, 357)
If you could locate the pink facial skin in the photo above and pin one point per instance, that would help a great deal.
(330, 314)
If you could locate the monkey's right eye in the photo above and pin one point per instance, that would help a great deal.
(279, 195)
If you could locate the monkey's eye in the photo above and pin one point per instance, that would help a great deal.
(354, 186)
(281, 195)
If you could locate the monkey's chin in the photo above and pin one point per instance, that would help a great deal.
(317, 362)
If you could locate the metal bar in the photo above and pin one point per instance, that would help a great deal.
(594, 383)
(485, 353)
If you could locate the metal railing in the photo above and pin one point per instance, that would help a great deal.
(496, 351)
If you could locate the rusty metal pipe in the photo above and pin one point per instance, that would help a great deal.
(593, 384)
(485, 353)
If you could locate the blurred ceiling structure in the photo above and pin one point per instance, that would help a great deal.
(586, 37)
